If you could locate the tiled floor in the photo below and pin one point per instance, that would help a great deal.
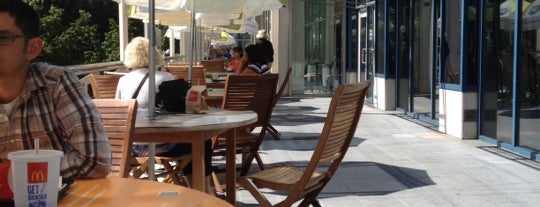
(393, 161)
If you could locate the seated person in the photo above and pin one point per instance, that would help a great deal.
(136, 57)
(234, 62)
(218, 55)
(45, 101)
(253, 62)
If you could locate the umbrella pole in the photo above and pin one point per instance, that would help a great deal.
(151, 86)
(192, 46)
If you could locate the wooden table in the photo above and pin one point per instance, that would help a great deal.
(196, 129)
(134, 192)
(214, 84)
(215, 97)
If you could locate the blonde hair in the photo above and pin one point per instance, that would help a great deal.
(136, 54)
(218, 52)
(261, 34)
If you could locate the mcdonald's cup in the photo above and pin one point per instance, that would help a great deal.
(35, 177)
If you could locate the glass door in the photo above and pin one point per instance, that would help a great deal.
(416, 71)
(424, 86)
(403, 63)
(366, 46)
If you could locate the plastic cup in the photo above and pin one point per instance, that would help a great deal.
(35, 177)
(215, 76)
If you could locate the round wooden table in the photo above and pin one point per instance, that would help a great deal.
(196, 129)
(135, 192)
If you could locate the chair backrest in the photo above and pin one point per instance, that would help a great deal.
(251, 92)
(104, 86)
(283, 86)
(119, 119)
(339, 128)
(213, 65)
(181, 72)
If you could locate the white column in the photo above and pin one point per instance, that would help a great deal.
(122, 27)
(171, 42)
(280, 38)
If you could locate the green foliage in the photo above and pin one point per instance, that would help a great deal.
(80, 32)
(111, 45)
(69, 44)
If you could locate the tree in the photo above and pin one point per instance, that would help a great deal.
(74, 43)
(110, 44)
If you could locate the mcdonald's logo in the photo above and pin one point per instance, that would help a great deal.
(37, 172)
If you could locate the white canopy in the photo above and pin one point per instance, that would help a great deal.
(247, 7)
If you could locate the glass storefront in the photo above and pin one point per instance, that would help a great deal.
(469, 47)
(511, 74)
(316, 46)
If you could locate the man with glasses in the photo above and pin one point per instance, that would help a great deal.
(45, 102)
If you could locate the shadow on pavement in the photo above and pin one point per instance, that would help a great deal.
(366, 179)
(306, 143)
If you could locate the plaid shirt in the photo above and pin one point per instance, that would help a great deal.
(56, 108)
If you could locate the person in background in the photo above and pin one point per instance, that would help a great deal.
(253, 61)
(218, 55)
(227, 53)
(136, 58)
(266, 46)
(234, 62)
(47, 102)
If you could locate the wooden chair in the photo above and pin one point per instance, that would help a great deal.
(181, 72)
(118, 116)
(271, 130)
(305, 184)
(255, 93)
(172, 172)
(103, 86)
(213, 65)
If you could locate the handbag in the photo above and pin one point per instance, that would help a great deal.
(172, 95)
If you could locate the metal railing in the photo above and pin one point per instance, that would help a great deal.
(98, 68)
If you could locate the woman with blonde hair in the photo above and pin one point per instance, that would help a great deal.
(136, 58)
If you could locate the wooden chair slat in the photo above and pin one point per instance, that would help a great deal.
(181, 72)
(120, 138)
(103, 86)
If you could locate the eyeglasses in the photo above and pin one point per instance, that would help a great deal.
(6, 39)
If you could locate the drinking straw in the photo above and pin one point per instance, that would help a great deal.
(36, 144)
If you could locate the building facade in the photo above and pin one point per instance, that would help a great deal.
(470, 67)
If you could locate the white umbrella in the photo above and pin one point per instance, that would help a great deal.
(245, 8)
(244, 25)
(223, 39)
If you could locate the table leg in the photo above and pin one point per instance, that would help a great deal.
(230, 160)
(197, 147)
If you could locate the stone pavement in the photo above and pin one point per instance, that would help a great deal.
(396, 161)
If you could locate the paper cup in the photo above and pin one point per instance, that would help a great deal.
(35, 177)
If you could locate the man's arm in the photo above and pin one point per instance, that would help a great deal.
(87, 151)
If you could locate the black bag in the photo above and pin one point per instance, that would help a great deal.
(172, 95)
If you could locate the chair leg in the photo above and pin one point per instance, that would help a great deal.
(311, 198)
(217, 184)
(246, 162)
(274, 132)
(171, 172)
(259, 161)
(250, 186)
